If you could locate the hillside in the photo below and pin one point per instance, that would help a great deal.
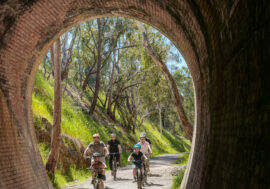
(78, 127)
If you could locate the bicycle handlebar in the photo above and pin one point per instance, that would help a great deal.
(137, 161)
(90, 157)
(96, 169)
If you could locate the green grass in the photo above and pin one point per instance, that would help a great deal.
(177, 181)
(78, 124)
(44, 150)
(182, 160)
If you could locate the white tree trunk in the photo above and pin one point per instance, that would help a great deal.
(51, 164)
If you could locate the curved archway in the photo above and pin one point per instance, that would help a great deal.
(197, 29)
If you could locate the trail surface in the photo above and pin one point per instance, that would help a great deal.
(160, 176)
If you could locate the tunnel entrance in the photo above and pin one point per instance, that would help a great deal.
(226, 48)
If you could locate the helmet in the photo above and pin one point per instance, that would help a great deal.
(96, 154)
(137, 146)
(96, 135)
(143, 135)
(113, 135)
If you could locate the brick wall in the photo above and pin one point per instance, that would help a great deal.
(225, 44)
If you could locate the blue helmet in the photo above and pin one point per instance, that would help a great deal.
(137, 146)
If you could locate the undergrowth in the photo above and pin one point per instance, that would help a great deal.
(181, 161)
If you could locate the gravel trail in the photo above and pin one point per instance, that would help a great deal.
(160, 176)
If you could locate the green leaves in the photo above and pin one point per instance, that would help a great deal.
(136, 77)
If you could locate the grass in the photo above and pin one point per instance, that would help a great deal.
(177, 181)
(78, 124)
(181, 161)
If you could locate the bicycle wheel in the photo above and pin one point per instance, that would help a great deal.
(114, 170)
(145, 177)
(99, 185)
(95, 184)
(145, 174)
(139, 179)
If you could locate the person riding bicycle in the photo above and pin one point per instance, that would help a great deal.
(115, 150)
(138, 156)
(146, 150)
(147, 140)
(98, 164)
(97, 147)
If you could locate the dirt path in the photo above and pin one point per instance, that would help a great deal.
(159, 178)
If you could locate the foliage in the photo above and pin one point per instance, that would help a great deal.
(177, 181)
(181, 161)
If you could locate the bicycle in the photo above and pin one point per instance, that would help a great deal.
(139, 174)
(114, 165)
(145, 173)
(145, 170)
(97, 180)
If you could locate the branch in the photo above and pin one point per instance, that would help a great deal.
(92, 34)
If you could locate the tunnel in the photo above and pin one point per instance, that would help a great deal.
(226, 46)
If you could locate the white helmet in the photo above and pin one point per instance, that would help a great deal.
(143, 135)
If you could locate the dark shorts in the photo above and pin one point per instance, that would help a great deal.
(137, 165)
(101, 176)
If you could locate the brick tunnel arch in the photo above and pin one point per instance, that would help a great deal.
(230, 80)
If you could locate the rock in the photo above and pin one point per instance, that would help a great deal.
(71, 149)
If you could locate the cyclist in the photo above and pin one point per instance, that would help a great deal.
(98, 164)
(115, 150)
(137, 155)
(147, 140)
(97, 147)
(145, 149)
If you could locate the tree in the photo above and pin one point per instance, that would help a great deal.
(67, 51)
(159, 62)
(56, 130)
(97, 85)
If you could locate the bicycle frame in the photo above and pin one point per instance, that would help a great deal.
(97, 183)
(145, 172)
(139, 175)
(114, 164)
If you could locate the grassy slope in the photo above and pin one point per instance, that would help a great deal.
(79, 125)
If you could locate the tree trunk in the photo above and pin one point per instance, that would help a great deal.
(79, 57)
(109, 108)
(85, 81)
(52, 58)
(187, 127)
(56, 130)
(67, 56)
(160, 119)
(97, 86)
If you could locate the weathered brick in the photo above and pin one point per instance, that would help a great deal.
(226, 46)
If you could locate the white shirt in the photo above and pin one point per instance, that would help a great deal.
(145, 148)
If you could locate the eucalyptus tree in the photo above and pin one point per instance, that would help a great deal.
(187, 126)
